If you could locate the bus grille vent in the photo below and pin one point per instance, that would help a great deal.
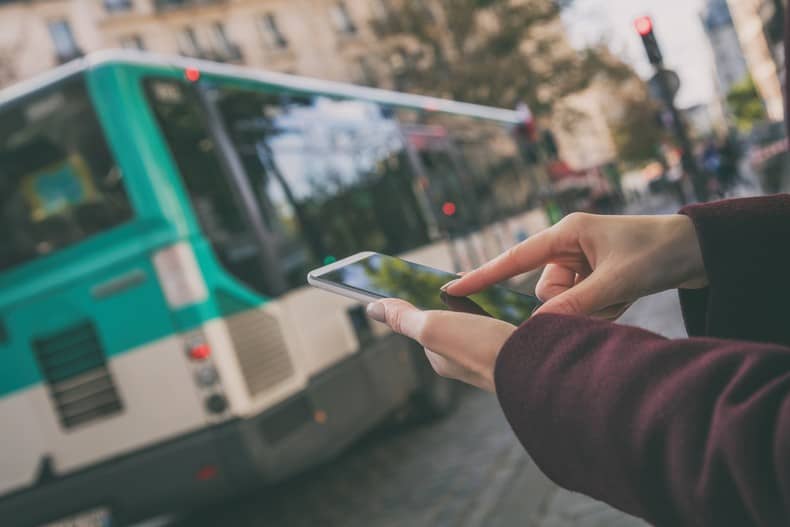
(261, 350)
(80, 385)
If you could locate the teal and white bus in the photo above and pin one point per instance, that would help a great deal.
(159, 347)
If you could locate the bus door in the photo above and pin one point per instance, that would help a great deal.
(449, 188)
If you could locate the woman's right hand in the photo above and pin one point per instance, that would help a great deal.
(598, 265)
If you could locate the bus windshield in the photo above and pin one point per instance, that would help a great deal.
(58, 181)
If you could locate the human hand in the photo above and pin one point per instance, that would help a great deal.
(458, 345)
(598, 265)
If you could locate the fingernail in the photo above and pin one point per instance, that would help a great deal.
(448, 284)
(376, 311)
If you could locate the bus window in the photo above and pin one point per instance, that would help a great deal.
(216, 206)
(492, 169)
(58, 182)
(332, 176)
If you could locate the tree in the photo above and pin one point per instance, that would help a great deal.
(493, 52)
(745, 104)
(638, 132)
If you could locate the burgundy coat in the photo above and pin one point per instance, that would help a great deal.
(680, 432)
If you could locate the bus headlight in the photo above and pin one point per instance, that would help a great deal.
(179, 275)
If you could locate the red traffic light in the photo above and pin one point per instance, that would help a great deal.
(644, 25)
(448, 208)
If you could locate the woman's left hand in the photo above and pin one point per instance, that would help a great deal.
(458, 345)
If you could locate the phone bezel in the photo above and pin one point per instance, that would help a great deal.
(314, 279)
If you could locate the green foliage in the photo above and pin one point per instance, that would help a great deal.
(745, 104)
(493, 52)
(637, 133)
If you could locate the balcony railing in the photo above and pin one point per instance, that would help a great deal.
(118, 6)
(169, 5)
(232, 53)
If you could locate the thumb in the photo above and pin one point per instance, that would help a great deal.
(584, 298)
(399, 315)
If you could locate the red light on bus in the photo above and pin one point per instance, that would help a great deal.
(192, 74)
(448, 208)
(206, 473)
(199, 352)
(644, 25)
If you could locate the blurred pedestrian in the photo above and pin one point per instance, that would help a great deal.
(730, 150)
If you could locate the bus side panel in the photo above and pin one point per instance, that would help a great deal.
(23, 442)
(321, 326)
(257, 356)
(160, 402)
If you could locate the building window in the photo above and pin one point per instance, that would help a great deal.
(66, 47)
(226, 49)
(341, 18)
(188, 43)
(116, 6)
(132, 42)
(271, 32)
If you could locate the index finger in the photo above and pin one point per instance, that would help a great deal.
(526, 256)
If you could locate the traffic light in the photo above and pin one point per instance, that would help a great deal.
(449, 208)
(644, 26)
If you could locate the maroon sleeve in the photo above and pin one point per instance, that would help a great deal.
(679, 432)
(746, 250)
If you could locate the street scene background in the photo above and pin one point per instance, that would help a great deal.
(601, 106)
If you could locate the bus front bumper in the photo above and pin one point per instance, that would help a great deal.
(338, 406)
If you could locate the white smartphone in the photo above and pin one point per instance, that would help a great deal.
(370, 276)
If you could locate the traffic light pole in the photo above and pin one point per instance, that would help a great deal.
(644, 26)
(698, 179)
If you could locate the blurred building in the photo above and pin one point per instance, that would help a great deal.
(328, 39)
(582, 126)
(701, 120)
(320, 38)
(760, 26)
(727, 54)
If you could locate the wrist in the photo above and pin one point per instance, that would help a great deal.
(690, 264)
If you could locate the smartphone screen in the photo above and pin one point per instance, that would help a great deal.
(388, 277)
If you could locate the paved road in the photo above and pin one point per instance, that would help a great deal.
(467, 471)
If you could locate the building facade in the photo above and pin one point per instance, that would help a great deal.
(759, 24)
(328, 39)
(319, 38)
(727, 54)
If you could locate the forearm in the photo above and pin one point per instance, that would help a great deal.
(689, 432)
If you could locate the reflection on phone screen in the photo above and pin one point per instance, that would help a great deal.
(388, 277)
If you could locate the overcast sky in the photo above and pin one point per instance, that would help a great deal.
(677, 27)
